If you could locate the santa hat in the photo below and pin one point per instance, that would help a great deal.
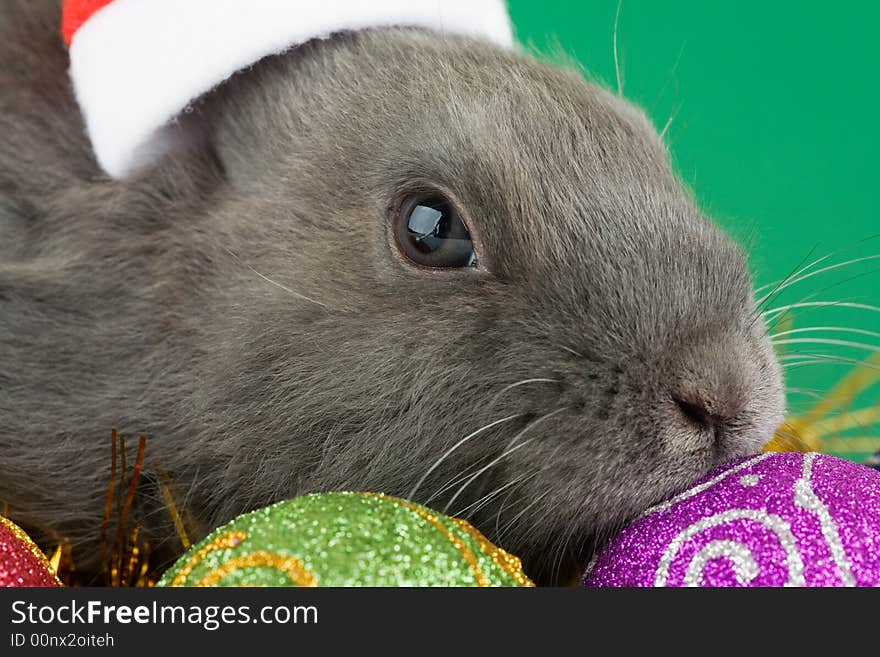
(136, 64)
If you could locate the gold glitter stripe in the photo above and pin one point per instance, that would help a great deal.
(291, 566)
(502, 558)
(457, 543)
(224, 542)
(32, 547)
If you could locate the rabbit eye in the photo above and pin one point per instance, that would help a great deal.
(430, 233)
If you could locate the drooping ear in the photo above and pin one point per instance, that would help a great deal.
(136, 65)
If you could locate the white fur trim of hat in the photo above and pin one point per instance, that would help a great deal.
(136, 64)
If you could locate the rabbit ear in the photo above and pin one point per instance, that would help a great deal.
(136, 64)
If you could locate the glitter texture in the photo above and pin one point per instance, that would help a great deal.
(346, 539)
(21, 561)
(769, 520)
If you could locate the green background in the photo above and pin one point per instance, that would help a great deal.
(775, 129)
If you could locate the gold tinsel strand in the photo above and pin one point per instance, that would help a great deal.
(815, 431)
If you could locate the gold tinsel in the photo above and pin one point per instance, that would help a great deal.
(822, 428)
(126, 557)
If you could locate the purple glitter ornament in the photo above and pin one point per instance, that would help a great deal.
(767, 520)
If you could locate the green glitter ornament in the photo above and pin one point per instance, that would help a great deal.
(346, 539)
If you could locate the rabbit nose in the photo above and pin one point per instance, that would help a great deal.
(695, 411)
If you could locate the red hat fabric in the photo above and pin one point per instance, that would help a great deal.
(136, 64)
(77, 12)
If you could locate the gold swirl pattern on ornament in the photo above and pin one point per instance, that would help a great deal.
(226, 541)
(32, 547)
(290, 566)
(457, 543)
(507, 562)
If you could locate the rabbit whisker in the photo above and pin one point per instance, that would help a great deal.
(298, 295)
(824, 359)
(479, 504)
(838, 343)
(800, 270)
(517, 385)
(614, 45)
(507, 452)
(821, 304)
(455, 447)
(510, 524)
(826, 269)
(831, 329)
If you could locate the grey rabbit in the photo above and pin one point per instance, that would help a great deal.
(580, 343)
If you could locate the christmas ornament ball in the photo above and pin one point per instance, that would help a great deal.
(769, 520)
(345, 539)
(21, 561)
